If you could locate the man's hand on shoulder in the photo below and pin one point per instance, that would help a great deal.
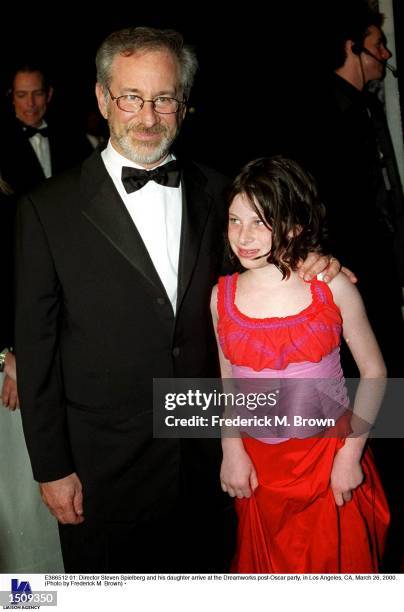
(315, 264)
(64, 499)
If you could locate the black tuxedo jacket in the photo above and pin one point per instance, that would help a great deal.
(94, 326)
(7, 213)
(19, 164)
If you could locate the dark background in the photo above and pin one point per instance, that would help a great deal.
(260, 65)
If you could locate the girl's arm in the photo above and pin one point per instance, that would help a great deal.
(225, 365)
(237, 475)
(347, 473)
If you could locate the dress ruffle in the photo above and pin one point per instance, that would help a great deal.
(276, 342)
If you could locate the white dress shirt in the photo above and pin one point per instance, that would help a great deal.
(40, 144)
(156, 211)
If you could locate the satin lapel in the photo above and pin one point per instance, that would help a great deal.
(196, 205)
(106, 211)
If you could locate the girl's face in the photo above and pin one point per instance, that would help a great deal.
(249, 238)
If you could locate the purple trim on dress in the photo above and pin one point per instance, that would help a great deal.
(320, 293)
(264, 347)
(319, 326)
(289, 321)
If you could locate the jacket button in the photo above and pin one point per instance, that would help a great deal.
(176, 351)
(161, 301)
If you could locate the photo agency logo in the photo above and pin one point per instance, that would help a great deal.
(20, 590)
(22, 597)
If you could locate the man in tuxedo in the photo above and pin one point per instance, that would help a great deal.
(33, 147)
(8, 385)
(113, 289)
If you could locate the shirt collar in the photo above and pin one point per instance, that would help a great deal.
(39, 127)
(115, 160)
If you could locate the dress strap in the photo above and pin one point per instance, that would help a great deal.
(323, 293)
(224, 294)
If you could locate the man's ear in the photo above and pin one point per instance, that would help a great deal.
(350, 47)
(50, 94)
(102, 103)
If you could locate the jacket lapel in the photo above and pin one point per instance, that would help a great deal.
(196, 206)
(105, 209)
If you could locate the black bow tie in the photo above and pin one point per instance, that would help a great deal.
(168, 175)
(30, 131)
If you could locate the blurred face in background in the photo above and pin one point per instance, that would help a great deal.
(30, 97)
(375, 42)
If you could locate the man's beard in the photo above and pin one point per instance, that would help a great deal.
(143, 152)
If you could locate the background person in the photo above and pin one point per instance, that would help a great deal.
(35, 145)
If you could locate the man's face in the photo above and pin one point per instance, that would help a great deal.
(375, 42)
(30, 98)
(144, 137)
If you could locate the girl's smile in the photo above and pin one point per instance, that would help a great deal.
(250, 239)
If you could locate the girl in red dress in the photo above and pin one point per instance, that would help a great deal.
(305, 504)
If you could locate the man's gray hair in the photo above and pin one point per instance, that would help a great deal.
(128, 41)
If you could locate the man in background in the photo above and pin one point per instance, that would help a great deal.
(33, 145)
(345, 142)
(348, 148)
(32, 149)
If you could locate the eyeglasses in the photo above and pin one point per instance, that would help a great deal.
(133, 104)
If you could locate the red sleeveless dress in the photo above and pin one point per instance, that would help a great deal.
(291, 524)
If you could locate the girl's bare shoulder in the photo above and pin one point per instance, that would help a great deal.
(343, 290)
